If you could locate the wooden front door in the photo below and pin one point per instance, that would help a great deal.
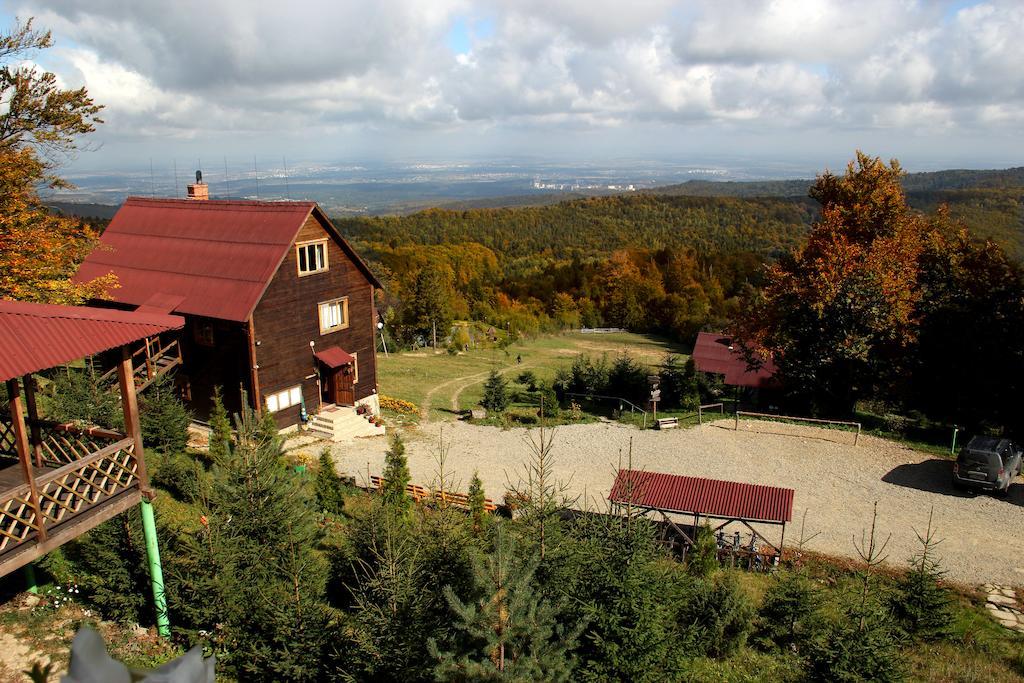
(338, 387)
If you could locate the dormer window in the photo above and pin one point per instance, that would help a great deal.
(311, 257)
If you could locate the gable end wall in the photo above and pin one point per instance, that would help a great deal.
(287, 319)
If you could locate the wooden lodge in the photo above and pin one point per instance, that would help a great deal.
(278, 307)
(57, 481)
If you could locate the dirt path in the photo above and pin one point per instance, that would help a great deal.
(834, 481)
(467, 381)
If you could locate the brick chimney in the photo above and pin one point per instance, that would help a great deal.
(199, 190)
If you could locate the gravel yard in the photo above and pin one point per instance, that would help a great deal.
(835, 482)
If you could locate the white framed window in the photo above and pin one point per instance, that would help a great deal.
(311, 257)
(355, 368)
(333, 315)
(284, 399)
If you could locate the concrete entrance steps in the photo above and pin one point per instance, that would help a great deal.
(341, 423)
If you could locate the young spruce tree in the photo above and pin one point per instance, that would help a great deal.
(260, 584)
(396, 477)
(512, 633)
(496, 397)
(330, 489)
(220, 429)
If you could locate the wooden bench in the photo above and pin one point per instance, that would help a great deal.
(419, 494)
(668, 422)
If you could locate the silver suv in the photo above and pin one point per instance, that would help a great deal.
(988, 463)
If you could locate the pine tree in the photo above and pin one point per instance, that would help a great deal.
(220, 429)
(163, 417)
(262, 583)
(513, 634)
(920, 604)
(496, 397)
(790, 613)
(384, 640)
(330, 489)
(702, 560)
(477, 500)
(396, 477)
(616, 577)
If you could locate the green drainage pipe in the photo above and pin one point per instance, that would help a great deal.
(156, 572)
(30, 578)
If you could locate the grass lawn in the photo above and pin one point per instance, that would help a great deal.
(442, 384)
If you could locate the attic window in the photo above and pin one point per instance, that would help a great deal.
(311, 257)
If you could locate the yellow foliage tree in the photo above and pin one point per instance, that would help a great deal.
(40, 123)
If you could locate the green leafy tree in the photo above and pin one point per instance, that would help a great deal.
(108, 564)
(513, 634)
(396, 477)
(496, 395)
(330, 489)
(862, 645)
(384, 637)
(547, 399)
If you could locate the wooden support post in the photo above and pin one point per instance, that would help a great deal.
(149, 361)
(254, 369)
(130, 408)
(24, 454)
(33, 419)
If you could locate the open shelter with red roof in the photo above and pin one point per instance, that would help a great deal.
(708, 499)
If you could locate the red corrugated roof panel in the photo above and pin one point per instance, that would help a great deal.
(716, 353)
(217, 255)
(34, 337)
(714, 497)
(334, 357)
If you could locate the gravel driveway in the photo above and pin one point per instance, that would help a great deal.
(836, 483)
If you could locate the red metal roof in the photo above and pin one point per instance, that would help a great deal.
(716, 353)
(34, 337)
(724, 499)
(334, 357)
(218, 256)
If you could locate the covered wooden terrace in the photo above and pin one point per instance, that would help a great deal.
(712, 501)
(57, 481)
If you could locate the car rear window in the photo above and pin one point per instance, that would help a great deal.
(975, 459)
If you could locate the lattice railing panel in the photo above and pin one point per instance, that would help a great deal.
(7, 439)
(17, 519)
(71, 490)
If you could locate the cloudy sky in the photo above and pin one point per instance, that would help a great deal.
(935, 83)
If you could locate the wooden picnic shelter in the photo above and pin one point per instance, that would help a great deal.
(709, 500)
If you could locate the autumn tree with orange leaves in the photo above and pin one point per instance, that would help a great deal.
(839, 315)
(39, 127)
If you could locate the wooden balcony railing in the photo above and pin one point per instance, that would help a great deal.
(153, 358)
(76, 470)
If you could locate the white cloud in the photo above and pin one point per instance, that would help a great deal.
(260, 68)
